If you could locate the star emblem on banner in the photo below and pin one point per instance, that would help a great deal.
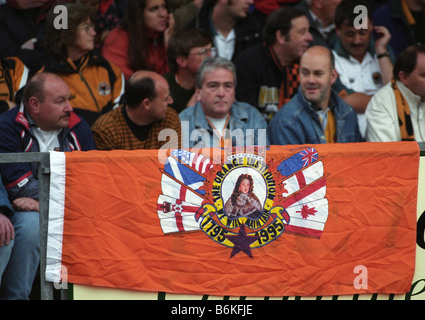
(242, 242)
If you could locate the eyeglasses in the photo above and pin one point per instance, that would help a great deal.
(87, 26)
(205, 51)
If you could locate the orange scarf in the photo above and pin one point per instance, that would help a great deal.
(403, 112)
(330, 130)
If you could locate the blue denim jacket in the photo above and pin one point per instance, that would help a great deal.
(298, 123)
(197, 131)
(5, 206)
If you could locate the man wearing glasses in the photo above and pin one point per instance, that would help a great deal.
(186, 51)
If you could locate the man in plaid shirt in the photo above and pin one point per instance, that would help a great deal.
(138, 122)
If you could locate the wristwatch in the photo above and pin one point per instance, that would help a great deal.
(386, 54)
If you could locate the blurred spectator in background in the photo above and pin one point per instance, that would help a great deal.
(187, 48)
(268, 6)
(184, 11)
(268, 74)
(13, 77)
(231, 25)
(97, 84)
(140, 43)
(22, 30)
(405, 20)
(320, 15)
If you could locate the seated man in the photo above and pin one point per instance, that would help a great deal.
(217, 120)
(43, 122)
(316, 114)
(397, 111)
(22, 30)
(186, 50)
(231, 25)
(268, 74)
(13, 77)
(363, 65)
(405, 20)
(320, 15)
(138, 123)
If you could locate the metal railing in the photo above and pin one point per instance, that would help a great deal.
(43, 160)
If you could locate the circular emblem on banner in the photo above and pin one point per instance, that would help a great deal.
(243, 193)
(244, 203)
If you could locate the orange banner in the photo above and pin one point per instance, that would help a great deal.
(287, 221)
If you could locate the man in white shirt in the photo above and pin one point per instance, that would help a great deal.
(232, 27)
(364, 65)
(397, 111)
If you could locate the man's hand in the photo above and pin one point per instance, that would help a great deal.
(26, 204)
(7, 232)
(383, 39)
(29, 45)
(169, 31)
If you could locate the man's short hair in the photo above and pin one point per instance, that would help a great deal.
(280, 19)
(183, 41)
(212, 63)
(345, 13)
(407, 59)
(139, 88)
(330, 55)
(35, 87)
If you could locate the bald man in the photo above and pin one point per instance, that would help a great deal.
(315, 114)
(137, 123)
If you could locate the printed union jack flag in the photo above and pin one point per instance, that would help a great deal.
(298, 161)
(304, 193)
(184, 174)
(308, 156)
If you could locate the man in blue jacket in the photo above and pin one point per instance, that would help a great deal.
(217, 119)
(315, 114)
(43, 122)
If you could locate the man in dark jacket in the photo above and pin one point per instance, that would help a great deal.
(405, 20)
(268, 73)
(43, 122)
(233, 28)
(22, 30)
(320, 15)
